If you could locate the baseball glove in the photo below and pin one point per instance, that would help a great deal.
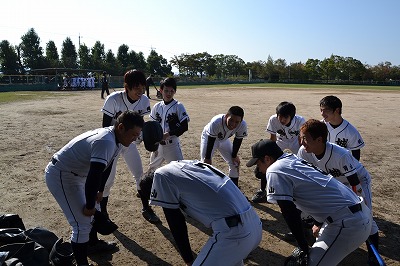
(173, 121)
(102, 224)
(258, 174)
(152, 134)
(298, 258)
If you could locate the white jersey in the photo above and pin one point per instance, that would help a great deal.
(117, 102)
(287, 137)
(162, 112)
(218, 129)
(338, 162)
(294, 179)
(193, 187)
(345, 135)
(98, 145)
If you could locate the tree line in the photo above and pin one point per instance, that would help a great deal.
(28, 55)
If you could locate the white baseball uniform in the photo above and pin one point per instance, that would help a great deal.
(345, 135)
(66, 175)
(287, 137)
(116, 103)
(340, 163)
(170, 149)
(210, 197)
(325, 199)
(218, 129)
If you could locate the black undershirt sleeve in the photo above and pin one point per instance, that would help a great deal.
(210, 146)
(184, 126)
(353, 180)
(356, 154)
(105, 176)
(293, 219)
(177, 225)
(236, 146)
(107, 120)
(93, 182)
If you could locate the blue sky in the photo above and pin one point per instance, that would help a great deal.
(293, 30)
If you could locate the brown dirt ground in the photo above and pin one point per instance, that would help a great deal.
(31, 131)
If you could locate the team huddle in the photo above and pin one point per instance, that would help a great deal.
(302, 158)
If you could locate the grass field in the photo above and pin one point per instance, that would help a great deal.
(6, 97)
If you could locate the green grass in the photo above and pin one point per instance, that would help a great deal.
(15, 96)
(6, 97)
(295, 86)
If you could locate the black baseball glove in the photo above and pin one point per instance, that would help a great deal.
(152, 135)
(298, 258)
(173, 121)
(102, 224)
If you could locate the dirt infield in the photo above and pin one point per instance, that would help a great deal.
(31, 131)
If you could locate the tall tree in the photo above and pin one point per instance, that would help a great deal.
(313, 69)
(8, 59)
(123, 55)
(68, 54)
(137, 60)
(31, 51)
(158, 65)
(85, 59)
(98, 55)
(112, 66)
(52, 56)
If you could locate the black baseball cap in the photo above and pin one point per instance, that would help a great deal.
(262, 148)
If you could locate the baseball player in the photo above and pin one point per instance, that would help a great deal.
(104, 85)
(174, 120)
(216, 134)
(284, 128)
(338, 162)
(205, 194)
(340, 131)
(294, 183)
(149, 82)
(131, 98)
(78, 172)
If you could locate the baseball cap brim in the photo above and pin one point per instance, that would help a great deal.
(252, 162)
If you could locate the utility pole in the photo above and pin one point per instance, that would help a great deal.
(79, 40)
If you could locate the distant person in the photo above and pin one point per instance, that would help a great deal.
(104, 85)
(149, 82)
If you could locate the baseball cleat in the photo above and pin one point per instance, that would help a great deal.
(260, 196)
(150, 216)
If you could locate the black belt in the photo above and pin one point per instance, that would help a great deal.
(353, 209)
(233, 221)
(163, 142)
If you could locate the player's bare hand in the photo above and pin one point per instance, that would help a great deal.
(165, 136)
(88, 212)
(99, 197)
(209, 161)
(236, 161)
(315, 230)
